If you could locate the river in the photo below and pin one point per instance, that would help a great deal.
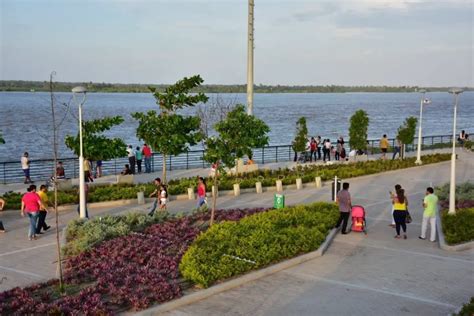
(25, 117)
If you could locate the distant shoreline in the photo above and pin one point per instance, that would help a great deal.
(43, 86)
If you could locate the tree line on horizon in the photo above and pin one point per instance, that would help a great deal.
(21, 85)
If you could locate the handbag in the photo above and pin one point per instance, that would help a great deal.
(408, 219)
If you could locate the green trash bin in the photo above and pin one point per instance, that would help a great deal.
(279, 201)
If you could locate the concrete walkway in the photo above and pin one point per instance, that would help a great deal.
(359, 275)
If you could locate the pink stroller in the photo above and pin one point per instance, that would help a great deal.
(358, 219)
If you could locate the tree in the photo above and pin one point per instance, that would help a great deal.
(238, 134)
(301, 138)
(406, 132)
(359, 125)
(167, 132)
(96, 146)
(2, 141)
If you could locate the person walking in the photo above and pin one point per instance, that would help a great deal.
(31, 205)
(2, 205)
(400, 206)
(327, 149)
(339, 144)
(25, 166)
(163, 197)
(131, 158)
(43, 194)
(139, 156)
(430, 203)
(392, 196)
(87, 170)
(318, 146)
(312, 146)
(98, 168)
(156, 194)
(384, 146)
(344, 202)
(201, 192)
(147, 154)
(397, 148)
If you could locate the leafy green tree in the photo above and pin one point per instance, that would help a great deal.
(358, 129)
(406, 132)
(96, 146)
(301, 138)
(167, 132)
(238, 134)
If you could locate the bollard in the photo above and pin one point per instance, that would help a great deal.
(236, 189)
(279, 186)
(190, 194)
(214, 191)
(141, 198)
(299, 184)
(258, 187)
(317, 180)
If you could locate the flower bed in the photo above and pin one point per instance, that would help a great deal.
(131, 271)
(459, 227)
(233, 248)
(467, 309)
(268, 177)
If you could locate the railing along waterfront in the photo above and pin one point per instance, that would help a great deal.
(42, 169)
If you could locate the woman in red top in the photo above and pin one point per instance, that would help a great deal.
(201, 192)
(31, 205)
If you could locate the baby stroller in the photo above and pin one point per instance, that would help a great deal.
(304, 157)
(358, 219)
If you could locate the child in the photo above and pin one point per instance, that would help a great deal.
(163, 197)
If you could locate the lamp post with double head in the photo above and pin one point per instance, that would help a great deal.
(452, 185)
(82, 193)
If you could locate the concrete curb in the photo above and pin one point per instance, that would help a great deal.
(249, 277)
(442, 242)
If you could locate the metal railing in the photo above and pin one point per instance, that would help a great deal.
(42, 169)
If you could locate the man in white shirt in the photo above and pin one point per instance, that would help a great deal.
(25, 166)
(131, 158)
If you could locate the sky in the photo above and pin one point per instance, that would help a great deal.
(318, 42)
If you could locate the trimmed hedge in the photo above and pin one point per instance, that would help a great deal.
(232, 248)
(464, 192)
(268, 177)
(458, 228)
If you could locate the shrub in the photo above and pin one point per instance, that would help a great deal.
(464, 192)
(467, 309)
(233, 248)
(459, 227)
(83, 235)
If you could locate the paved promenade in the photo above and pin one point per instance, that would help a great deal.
(359, 275)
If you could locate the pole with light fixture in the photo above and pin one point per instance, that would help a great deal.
(418, 152)
(82, 193)
(250, 49)
(452, 187)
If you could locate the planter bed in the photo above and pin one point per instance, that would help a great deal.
(140, 267)
(268, 177)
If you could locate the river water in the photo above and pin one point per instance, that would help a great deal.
(25, 118)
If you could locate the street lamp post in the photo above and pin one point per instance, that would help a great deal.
(418, 152)
(452, 187)
(82, 193)
(250, 48)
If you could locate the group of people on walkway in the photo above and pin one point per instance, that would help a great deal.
(161, 196)
(316, 145)
(34, 205)
(399, 211)
(136, 157)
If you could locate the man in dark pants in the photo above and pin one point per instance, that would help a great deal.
(156, 194)
(43, 194)
(344, 201)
